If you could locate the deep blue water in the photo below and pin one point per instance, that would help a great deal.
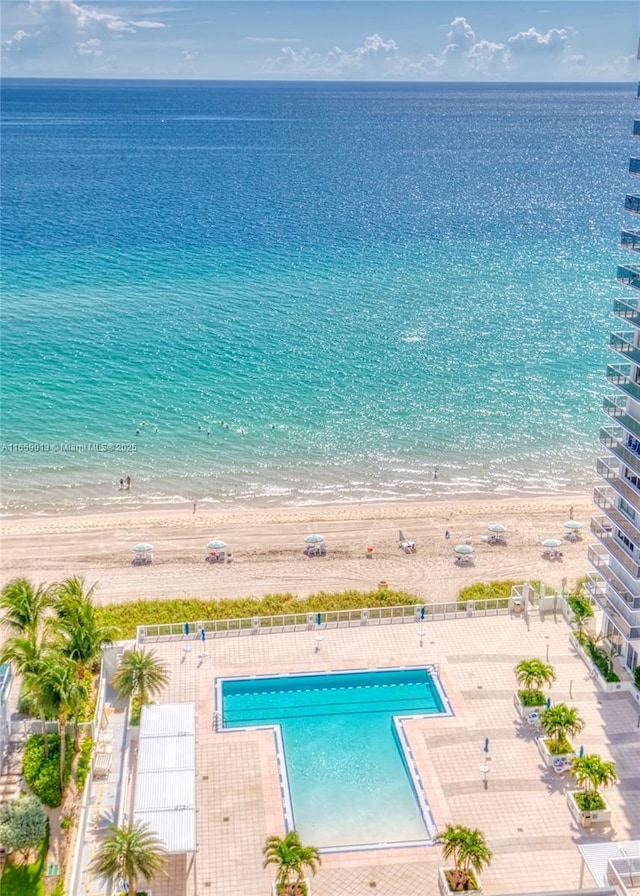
(305, 292)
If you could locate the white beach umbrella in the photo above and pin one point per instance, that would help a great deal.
(143, 547)
(217, 545)
(497, 528)
(314, 539)
(551, 543)
(464, 549)
(573, 524)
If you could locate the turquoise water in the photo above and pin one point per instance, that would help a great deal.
(304, 293)
(347, 776)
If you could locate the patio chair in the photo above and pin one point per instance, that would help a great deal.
(533, 719)
(561, 765)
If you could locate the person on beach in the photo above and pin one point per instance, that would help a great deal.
(195, 506)
(446, 533)
(121, 483)
(435, 472)
(128, 481)
(571, 512)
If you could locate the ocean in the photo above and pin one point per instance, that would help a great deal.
(305, 292)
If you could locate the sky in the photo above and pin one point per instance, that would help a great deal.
(346, 40)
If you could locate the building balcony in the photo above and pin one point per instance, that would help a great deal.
(619, 413)
(625, 448)
(632, 203)
(603, 530)
(599, 558)
(636, 127)
(627, 310)
(630, 239)
(629, 274)
(605, 499)
(623, 344)
(620, 375)
(618, 483)
(634, 165)
(597, 589)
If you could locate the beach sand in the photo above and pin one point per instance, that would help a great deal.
(266, 545)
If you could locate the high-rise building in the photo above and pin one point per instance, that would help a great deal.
(615, 585)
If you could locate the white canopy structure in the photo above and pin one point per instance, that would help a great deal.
(165, 797)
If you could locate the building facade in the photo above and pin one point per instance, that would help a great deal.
(615, 584)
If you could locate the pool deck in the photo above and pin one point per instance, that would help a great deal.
(521, 808)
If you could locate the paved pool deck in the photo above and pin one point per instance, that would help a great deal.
(521, 807)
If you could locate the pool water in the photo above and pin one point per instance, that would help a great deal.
(347, 773)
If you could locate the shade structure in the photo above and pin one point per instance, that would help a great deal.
(314, 539)
(573, 524)
(497, 528)
(217, 545)
(551, 543)
(143, 547)
(464, 549)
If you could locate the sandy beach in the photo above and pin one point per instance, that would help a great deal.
(266, 546)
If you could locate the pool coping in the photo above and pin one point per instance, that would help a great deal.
(401, 736)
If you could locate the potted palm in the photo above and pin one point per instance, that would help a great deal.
(532, 675)
(129, 852)
(587, 805)
(467, 849)
(140, 676)
(559, 723)
(291, 858)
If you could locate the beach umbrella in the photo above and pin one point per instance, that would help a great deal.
(464, 549)
(497, 528)
(217, 545)
(573, 524)
(314, 539)
(401, 537)
(551, 543)
(581, 752)
(486, 745)
(142, 547)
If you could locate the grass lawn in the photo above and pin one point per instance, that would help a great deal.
(20, 880)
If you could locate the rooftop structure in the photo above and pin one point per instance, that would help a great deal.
(615, 585)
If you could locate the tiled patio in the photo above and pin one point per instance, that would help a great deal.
(521, 808)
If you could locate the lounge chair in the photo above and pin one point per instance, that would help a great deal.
(561, 765)
(533, 719)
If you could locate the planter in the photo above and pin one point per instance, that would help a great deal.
(607, 687)
(445, 889)
(635, 693)
(589, 818)
(549, 757)
(297, 888)
(524, 711)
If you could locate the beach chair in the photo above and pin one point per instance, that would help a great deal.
(533, 719)
(561, 765)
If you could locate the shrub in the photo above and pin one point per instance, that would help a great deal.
(42, 773)
(636, 677)
(580, 605)
(589, 800)
(600, 659)
(532, 698)
(23, 824)
(84, 762)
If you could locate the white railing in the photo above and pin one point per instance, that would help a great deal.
(292, 622)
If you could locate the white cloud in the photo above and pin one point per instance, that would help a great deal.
(14, 42)
(274, 40)
(376, 58)
(188, 55)
(556, 40)
(90, 48)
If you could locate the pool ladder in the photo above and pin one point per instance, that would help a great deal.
(433, 669)
(218, 721)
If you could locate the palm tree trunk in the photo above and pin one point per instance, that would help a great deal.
(132, 886)
(45, 738)
(62, 721)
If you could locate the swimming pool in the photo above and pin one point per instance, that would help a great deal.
(347, 769)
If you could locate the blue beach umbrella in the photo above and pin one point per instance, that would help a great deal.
(203, 635)
(314, 539)
(319, 618)
(421, 614)
(548, 702)
(581, 752)
(486, 745)
(186, 628)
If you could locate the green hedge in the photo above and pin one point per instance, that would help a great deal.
(42, 773)
(126, 617)
(84, 762)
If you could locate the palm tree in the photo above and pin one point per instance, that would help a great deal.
(129, 851)
(24, 606)
(291, 857)
(532, 675)
(591, 773)
(559, 722)
(81, 637)
(28, 658)
(141, 675)
(62, 691)
(469, 853)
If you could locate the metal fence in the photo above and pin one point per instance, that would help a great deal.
(330, 619)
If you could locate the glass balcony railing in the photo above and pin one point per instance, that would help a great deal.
(632, 203)
(599, 558)
(619, 414)
(598, 592)
(630, 239)
(603, 530)
(636, 128)
(623, 344)
(634, 165)
(620, 375)
(627, 310)
(620, 485)
(614, 407)
(629, 275)
(625, 448)
(605, 499)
